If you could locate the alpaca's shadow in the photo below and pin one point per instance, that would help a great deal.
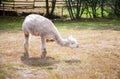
(49, 61)
(37, 61)
(70, 61)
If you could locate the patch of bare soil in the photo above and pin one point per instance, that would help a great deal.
(98, 56)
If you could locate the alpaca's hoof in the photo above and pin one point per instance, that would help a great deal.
(43, 57)
(26, 55)
(44, 52)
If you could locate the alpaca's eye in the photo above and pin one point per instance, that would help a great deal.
(72, 43)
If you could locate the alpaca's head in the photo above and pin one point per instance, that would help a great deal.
(72, 42)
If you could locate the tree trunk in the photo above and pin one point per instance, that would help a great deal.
(102, 7)
(50, 11)
(78, 9)
(117, 8)
(94, 4)
(53, 7)
(47, 8)
(69, 6)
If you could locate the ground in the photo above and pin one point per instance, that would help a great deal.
(98, 56)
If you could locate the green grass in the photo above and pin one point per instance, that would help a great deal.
(9, 22)
(90, 25)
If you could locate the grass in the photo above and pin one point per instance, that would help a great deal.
(96, 58)
(16, 23)
(9, 22)
(7, 71)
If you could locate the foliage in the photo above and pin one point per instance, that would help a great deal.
(92, 8)
(115, 6)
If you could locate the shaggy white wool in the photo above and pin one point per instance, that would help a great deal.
(40, 26)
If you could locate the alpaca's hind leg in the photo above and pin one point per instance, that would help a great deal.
(26, 45)
(43, 47)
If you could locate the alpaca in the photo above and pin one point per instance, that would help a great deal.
(40, 26)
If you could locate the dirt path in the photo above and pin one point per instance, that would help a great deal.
(98, 57)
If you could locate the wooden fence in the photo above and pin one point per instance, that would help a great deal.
(27, 4)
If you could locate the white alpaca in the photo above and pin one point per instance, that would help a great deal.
(40, 26)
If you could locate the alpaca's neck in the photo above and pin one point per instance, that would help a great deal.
(61, 41)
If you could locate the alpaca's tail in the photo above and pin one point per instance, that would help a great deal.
(50, 40)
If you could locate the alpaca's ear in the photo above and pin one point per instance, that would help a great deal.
(70, 38)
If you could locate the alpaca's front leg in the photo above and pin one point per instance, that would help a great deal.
(43, 47)
(26, 46)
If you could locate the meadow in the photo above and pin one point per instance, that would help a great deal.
(98, 55)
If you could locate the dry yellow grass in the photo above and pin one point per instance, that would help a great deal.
(98, 56)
